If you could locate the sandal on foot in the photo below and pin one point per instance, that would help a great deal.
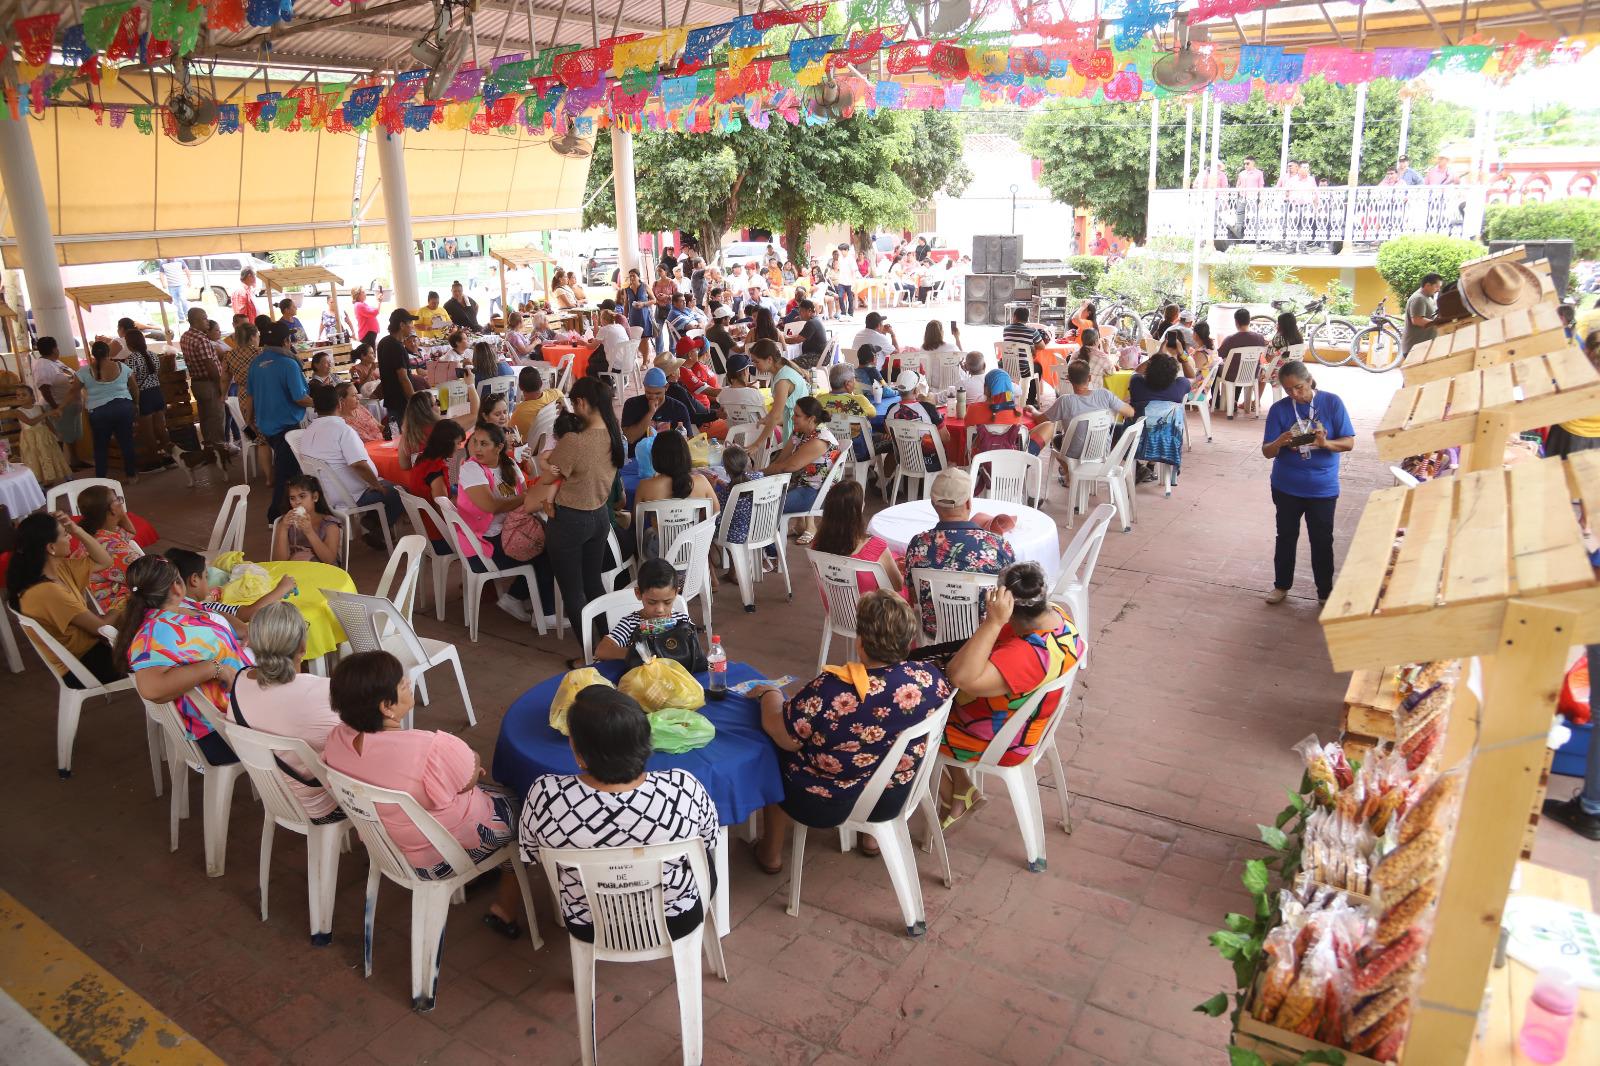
(508, 929)
(970, 800)
(805, 538)
(770, 871)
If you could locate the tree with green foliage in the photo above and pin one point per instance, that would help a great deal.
(1574, 219)
(1093, 268)
(1404, 261)
(866, 171)
(1098, 156)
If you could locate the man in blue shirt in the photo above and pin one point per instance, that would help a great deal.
(275, 401)
(1305, 432)
(1408, 173)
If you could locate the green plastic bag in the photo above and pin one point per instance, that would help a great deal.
(675, 730)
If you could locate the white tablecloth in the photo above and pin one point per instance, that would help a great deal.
(1035, 536)
(20, 491)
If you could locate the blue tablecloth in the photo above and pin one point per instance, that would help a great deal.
(630, 479)
(739, 768)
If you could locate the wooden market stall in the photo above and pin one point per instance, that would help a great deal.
(515, 259)
(1482, 344)
(8, 325)
(284, 278)
(119, 292)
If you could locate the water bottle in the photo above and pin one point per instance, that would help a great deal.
(717, 681)
(1548, 1020)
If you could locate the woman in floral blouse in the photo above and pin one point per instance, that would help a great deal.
(833, 732)
(105, 516)
(808, 455)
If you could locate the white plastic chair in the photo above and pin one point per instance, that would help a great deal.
(841, 594)
(1096, 426)
(64, 497)
(350, 514)
(835, 471)
(216, 803)
(623, 890)
(419, 509)
(372, 623)
(227, 533)
(1244, 381)
(744, 434)
(957, 599)
(1010, 472)
(1115, 471)
(1199, 400)
(612, 608)
(400, 575)
(1022, 780)
(690, 555)
(504, 385)
(282, 807)
(473, 580)
(543, 426)
(911, 463)
(766, 511)
(671, 517)
(894, 834)
(845, 429)
(743, 414)
(233, 433)
(69, 702)
(8, 644)
(430, 899)
(1403, 478)
(1077, 567)
(1016, 359)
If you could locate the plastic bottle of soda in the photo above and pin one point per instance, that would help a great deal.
(717, 665)
(1549, 1016)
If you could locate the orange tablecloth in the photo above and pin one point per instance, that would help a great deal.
(1049, 357)
(385, 456)
(554, 353)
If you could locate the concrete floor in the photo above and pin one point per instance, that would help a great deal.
(1177, 746)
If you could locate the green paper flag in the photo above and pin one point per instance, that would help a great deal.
(101, 21)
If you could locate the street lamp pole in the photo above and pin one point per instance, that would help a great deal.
(1014, 190)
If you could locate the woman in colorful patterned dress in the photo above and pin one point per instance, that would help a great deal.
(808, 455)
(1023, 643)
(835, 729)
(173, 647)
(105, 516)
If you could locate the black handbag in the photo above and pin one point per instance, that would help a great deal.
(679, 642)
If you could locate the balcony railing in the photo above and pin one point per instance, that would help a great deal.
(1326, 219)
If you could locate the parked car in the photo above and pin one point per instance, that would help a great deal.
(736, 254)
(212, 278)
(599, 264)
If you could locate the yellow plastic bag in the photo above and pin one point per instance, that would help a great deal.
(575, 682)
(228, 560)
(700, 450)
(249, 583)
(663, 683)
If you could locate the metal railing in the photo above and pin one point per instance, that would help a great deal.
(1321, 219)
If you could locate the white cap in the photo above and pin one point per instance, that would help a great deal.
(722, 311)
(908, 381)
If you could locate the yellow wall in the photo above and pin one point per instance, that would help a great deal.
(1369, 287)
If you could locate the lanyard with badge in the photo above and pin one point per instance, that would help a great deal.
(1304, 426)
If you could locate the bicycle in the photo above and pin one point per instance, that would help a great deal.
(1155, 321)
(1332, 331)
(1376, 348)
(1115, 313)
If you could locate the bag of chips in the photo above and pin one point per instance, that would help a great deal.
(663, 682)
(575, 682)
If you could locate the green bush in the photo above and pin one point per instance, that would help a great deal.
(1232, 280)
(1341, 298)
(1573, 219)
(1093, 268)
(1144, 278)
(1405, 261)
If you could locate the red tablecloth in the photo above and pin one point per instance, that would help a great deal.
(385, 456)
(957, 451)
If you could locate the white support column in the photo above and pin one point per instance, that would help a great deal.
(397, 216)
(31, 220)
(1354, 177)
(1200, 205)
(1283, 150)
(1188, 137)
(1150, 189)
(1216, 134)
(1405, 123)
(627, 205)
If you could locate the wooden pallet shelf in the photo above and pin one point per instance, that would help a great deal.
(1479, 345)
(1482, 408)
(1471, 544)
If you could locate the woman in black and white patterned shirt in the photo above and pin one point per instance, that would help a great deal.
(614, 803)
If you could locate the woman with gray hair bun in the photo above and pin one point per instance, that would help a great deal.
(275, 697)
(1024, 642)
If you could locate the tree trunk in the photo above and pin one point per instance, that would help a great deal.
(794, 241)
(861, 240)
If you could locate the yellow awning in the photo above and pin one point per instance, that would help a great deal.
(118, 194)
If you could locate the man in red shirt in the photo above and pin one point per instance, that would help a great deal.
(244, 301)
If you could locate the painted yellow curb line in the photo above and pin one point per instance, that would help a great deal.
(90, 1011)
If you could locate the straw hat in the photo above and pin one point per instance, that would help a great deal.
(1497, 289)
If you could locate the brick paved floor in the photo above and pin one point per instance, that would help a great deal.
(1177, 747)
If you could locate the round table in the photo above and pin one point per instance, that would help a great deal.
(20, 492)
(324, 633)
(385, 456)
(739, 768)
(1035, 536)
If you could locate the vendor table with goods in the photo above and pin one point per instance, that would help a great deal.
(1035, 536)
(324, 634)
(739, 768)
(20, 493)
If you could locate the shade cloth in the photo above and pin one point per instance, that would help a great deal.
(739, 768)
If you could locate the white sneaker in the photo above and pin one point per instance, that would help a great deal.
(514, 607)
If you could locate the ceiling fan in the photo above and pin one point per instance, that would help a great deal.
(444, 49)
(1183, 69)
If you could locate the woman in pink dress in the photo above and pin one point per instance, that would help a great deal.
(373, 696)
(844, 532)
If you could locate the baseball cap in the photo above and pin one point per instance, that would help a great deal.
(952, 487)
(655, 378)
(688, 344)
(874, 320)
(908, 381)
(274, 335)
(400, 314)
(738, 362)
(723, 311)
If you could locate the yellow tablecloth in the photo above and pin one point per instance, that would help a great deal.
(324, 632)
(1117, 382)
